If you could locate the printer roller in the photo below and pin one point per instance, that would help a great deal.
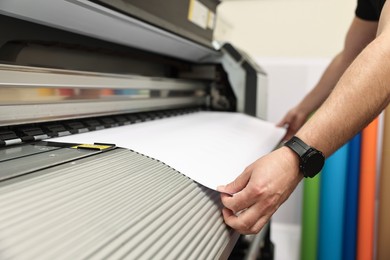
(108, 205)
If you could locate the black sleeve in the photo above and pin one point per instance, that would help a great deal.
(366, 10)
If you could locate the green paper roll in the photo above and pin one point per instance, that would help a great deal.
(310, 211)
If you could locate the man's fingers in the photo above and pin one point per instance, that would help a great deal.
(254, 192)
(242, 194)
(235, 203)
(240, 200)
(281, 123)
(250, 221)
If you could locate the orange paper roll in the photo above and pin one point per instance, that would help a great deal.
(366, 212)
(383, 249)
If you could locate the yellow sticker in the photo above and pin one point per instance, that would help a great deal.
(198, 13)
(92, 146)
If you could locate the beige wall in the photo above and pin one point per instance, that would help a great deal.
(285, 28)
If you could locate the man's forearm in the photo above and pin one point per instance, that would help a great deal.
(360, 95)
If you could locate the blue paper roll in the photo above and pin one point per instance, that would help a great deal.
(332, 202)
(352, 195)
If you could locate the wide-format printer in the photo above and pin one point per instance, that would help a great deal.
(75, 66)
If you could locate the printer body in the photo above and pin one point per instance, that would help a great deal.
(75, 66)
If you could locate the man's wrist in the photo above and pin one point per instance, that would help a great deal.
(292, 160)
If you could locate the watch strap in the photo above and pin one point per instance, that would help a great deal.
(297, 145)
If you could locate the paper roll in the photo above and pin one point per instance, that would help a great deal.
(332, 198)
(383, 249)
(351, 200)
(366, 211)
(311, 196)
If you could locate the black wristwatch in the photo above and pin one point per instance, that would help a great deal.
(311, 160)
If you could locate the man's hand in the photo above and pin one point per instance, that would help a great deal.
(260, 190)
(294, 119)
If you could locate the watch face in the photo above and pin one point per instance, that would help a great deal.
(313, 163)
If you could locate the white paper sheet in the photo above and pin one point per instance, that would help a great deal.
(212, 148)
